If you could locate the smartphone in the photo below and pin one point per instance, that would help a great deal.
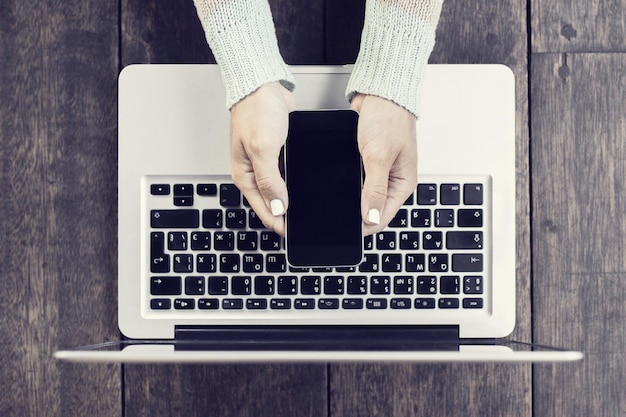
(323, 173)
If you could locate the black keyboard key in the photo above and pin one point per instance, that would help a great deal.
(473, 194)
(184, 304)
(470, 218)
(264, 285)
(392, 262)
(183, 194)
(241, 285)
(224, 240)
(421, 218)
(160, 189)
(159, 261)
(280, 303)
(229, 263)
(230, 196)
(236, 218)
(380, 284)
(253, 263)
(310, 284)
(448, 303)
(464, 240)
(424, 303)
(183, 201)
(357, 284)
(444, 218)
(287, 285)
(472, 303)
(254, 221)
(200, 240)
(450, 194)
(323, 270)
(212, 219)
(183, 263)
(194, 285)
(449, 284)
(415, 262)
(473, 284)
(352, 303)
(206, 190)
(270, 241)
(409, 240)
(328, 303)
(427, 194)
(400, 303)
(385, 240)
(438, 262)
(160, 304)
(345, 269)
(206, 263)
(376, 303)
(403, 284)
(400, 219)
(165, 285)
(368, 242)
(256, 304)
(208, 304)
(217, 285)
(247, 241)
(275, 263)
(177, 241)
(333, 285)
(409, 201)
(304, 304)
(426, 285)
(432, 241)
(467, 262)
(175, 219)
(232, 304)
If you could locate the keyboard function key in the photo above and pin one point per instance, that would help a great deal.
(376, 303)
(424, 303)
(232, 304)
(160, 304)
(426, 194)
(165, 286)
(280, 304)
(208, 304)
(470, 218)
(206, 190)
(160, 189)
(184, 304)
(328, 303)
(230, 196)
(472, 303)
(400, 303)
(304, 304)
(473, 194)
(175, 219)
(450, 194)
(352, 303)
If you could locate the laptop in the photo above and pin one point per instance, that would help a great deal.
(201, 280)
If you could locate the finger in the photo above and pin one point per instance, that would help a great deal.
(374, 193)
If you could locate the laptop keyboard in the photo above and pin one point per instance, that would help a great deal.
(208, 253)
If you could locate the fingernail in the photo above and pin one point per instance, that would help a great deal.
(277, 207)
(373, 216)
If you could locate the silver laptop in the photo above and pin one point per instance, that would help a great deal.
(201, 280)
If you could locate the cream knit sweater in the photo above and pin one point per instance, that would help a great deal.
(398, 37)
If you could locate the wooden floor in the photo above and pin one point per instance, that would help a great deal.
(58, 199)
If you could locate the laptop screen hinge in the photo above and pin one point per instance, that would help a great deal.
(317, 337)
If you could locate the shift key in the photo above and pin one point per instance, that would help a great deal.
(174, 219)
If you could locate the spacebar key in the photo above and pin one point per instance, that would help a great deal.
(174, 219)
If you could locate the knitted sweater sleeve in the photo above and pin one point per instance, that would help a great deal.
(398, 37)
(242, 37)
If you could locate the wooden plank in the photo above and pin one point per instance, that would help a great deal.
(58, 204)
(152, 33)
(272, 390)
(578, 26)
(495, 33)
(579, 230)
(226, 390)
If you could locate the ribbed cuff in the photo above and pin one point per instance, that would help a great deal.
(242, 37)
(395, 46)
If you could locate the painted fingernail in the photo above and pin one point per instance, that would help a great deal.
(373, 216)
(277, 207)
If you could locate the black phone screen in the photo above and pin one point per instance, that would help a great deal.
(324, 178)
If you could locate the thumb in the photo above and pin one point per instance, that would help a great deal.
(374, 193)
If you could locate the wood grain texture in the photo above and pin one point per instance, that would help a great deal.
(494, 32)
(226, 390)
(176, 36)
(154, 33)
(58, 204)
(579, 230)
(578, 26)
